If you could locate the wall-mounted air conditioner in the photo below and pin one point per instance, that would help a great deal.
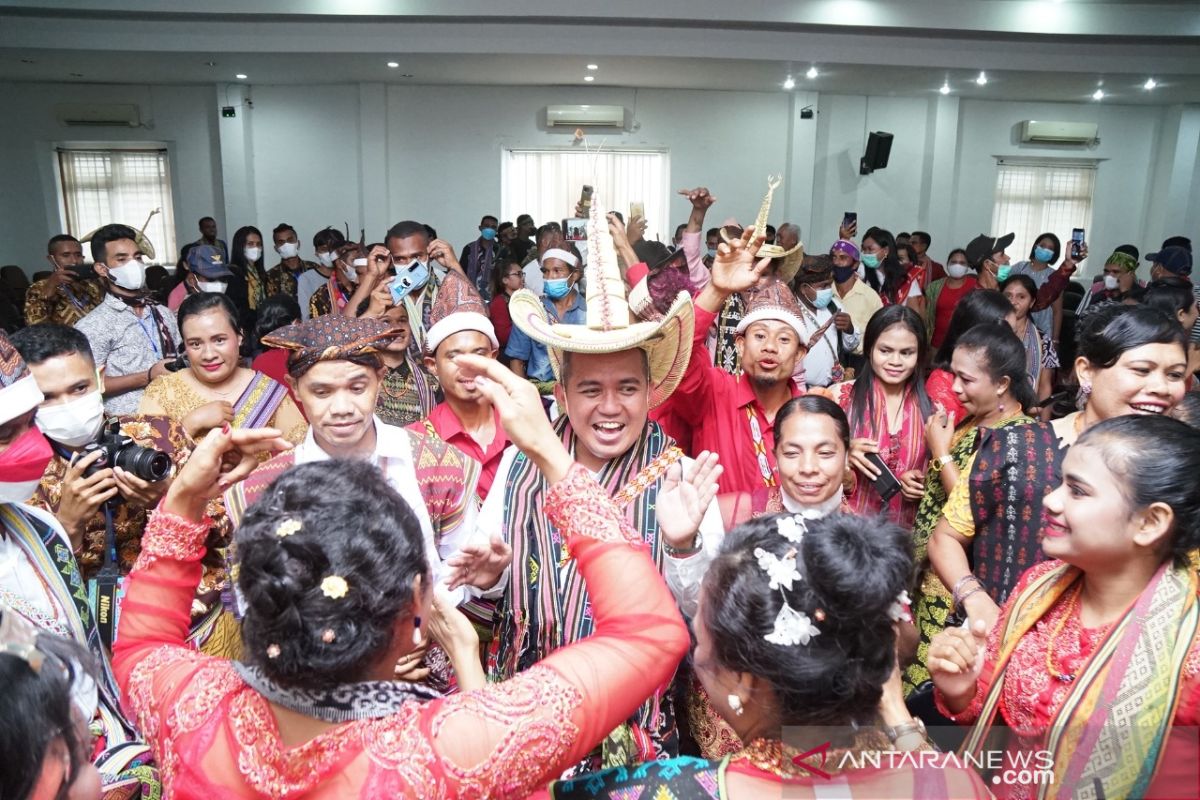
(1042, 132)
(99, 115)
(583, 116)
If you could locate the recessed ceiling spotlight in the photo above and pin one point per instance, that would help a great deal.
(593, 66)
(28, 61)
(982, 79)
(589, 78)
(1098, 94)
(241, 76)
(789, 83)
(812, 72)
(945, 87)
(394, 64)
(1149, 84)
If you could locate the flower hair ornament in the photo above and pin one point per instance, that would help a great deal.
(791, 626)
(334, 587)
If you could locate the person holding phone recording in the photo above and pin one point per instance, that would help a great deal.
(887, 406)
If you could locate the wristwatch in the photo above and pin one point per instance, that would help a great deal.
(684, 552)
(915, 725)
(943, 461)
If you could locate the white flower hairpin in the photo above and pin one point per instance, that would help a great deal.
(791, 626)
(899, 609)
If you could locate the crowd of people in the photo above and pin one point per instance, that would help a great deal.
(608, 518)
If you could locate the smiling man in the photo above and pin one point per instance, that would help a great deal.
(335, 372)
(610, 372)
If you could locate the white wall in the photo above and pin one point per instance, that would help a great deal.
(372, 154)
(182, 116)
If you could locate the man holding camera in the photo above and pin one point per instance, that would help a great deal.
(76, 486)
(70, 292)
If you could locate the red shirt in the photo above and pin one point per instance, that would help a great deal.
(501, 320)
(947, 300)
(714, 403)
(273, 364)
(449, 427)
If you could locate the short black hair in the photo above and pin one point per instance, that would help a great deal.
(770, 230)
(486, 217)
(357, 528)
(276, 311)
(205, 219)
(504, 226)
(922, 236)
(545, 231)
(59, 239)
(46, 340)
(521, 220)
(712, 232)
(329, 238)
(851, 574)
(198, 303)
(407, 228)
(281, 227)
(1171, 294)
(109, 233)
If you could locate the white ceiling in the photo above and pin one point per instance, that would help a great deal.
(1031, 49)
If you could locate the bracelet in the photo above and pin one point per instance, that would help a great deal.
(959, 585)
(959, 605)
(148, 378)
(916, 725)
(684, 552)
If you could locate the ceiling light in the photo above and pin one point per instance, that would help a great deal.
(982, 79)
(1149, 84)
(593, 66)
(1098, 94)
(812, 72)
(589, 78)
(394, 64)
(945, 88)
(789, 83)
(241, 76)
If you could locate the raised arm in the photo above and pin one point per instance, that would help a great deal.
(509, 738)
(701, 201)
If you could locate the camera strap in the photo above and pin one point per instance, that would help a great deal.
(106, 590)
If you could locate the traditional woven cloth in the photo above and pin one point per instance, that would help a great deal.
(329, 338)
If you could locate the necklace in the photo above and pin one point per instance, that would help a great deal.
(1064, 677)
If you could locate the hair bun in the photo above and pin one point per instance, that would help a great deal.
(857, 569)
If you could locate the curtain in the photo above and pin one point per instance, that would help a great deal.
(1036, 197)
(100, 187)
(547, 183)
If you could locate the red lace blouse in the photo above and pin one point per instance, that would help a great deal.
(215, 737)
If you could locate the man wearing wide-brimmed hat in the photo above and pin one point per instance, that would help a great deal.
(612, 371)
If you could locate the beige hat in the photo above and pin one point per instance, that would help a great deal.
(611, 327)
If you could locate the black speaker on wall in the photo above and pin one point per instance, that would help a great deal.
(879, 147)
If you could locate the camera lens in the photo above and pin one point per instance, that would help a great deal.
(144, 462)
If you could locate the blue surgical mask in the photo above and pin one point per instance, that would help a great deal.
(711, 253)
(488, 233)
(823, 298)
(870, 260)
(556, 288)
(1043, 254)
(1003, 272)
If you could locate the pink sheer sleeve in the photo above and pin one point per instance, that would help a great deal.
(696, 270)
(507, 739)
(150, 658)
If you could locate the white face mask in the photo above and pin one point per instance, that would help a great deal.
(211, 286)
(131, 275)
(327, 259)
(75, 423)
(18, 492)
(956, 270)
(350, 271)
(252, 253)
(360, 263)
(288, 250)
(1111, 282)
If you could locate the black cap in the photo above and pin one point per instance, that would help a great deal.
(983, 247)
(1172, 259)
(1177, 241)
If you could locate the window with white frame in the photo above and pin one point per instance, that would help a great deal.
(547, 183)
(1036, 196)
(124, 186)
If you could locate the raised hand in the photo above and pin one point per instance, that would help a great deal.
(939, 431)
(699, 197)
(222, 458)
(682, 500)
(734, 268)
(441, 252)
(955, 661)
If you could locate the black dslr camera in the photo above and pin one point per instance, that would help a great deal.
(120, 451)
